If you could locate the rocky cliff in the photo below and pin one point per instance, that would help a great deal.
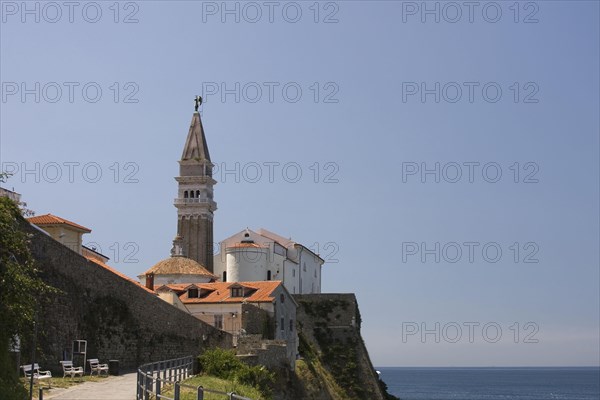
(335, 363)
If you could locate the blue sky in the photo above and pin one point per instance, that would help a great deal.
(364, 127)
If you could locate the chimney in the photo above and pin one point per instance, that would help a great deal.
(150, 281)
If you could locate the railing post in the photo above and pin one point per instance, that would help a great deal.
(138, 397)
(41, 394)
(158, 386)
(177, 391)
(147, 385)
(200, 393)
(231, 396)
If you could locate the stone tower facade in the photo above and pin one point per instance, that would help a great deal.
(194, 202)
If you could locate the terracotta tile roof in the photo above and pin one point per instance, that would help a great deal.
(176, 287)
(179, 265)
(260, 292)
(119, 274)
(246, 245)
(276, 238)
(50, 219)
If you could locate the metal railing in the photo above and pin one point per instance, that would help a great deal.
(154, 378)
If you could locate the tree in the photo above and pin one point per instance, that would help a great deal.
(20, 291)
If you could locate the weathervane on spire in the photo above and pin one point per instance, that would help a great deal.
(198, 101)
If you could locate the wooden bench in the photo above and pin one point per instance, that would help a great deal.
(96, 367)
(69, 369)
(34, 369)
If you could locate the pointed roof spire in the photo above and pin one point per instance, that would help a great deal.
(195, 146)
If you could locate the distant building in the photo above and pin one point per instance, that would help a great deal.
(14, 196)
(266, 256)
(70, 235)
(241, 308)
(64, 231)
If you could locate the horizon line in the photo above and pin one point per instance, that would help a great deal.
(480, 366)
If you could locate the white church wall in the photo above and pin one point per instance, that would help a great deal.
(291, 279)
(310, 270)
(220, 265)
(246, 264)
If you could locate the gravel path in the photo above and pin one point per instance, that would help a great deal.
(113, 388)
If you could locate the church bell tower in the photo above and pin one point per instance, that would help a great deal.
(194, 202)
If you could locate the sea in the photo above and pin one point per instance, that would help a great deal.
(581, 383)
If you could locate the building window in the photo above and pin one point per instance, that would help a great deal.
(315, 273)
(219, 321)
(224, 276)
(282, 324)
(237, 292)
(191, 194)
(185, 194)
(291, 325)
(293, 273)
(197, 194)
(269, 275)
(193, 293)
(282, 298)
(304, 267)
(294, 290)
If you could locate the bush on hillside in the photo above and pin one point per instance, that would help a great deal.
(225, 365)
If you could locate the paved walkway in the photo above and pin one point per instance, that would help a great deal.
(113, 388)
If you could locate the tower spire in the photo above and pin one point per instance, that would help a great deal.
(195, 148)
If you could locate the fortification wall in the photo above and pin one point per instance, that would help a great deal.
(119, 319)
(329, 329)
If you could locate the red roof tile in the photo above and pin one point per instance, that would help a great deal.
(179, 265)
(261, 292)
(50, 219)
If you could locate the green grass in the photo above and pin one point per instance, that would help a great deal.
(222, 385)
(59, 382)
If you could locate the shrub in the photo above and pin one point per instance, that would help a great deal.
(21, 292)
(220, 363)
(257, 376)
(225, 365)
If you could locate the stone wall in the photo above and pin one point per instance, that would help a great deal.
(256, 321)
(119, 319)
(329, 327)
(254, 350)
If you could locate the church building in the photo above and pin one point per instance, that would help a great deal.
(266, 256)
(250, 284)
(247, 256)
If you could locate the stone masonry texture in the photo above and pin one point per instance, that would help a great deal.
(119, 319)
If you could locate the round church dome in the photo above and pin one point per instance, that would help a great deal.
(179, 266)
